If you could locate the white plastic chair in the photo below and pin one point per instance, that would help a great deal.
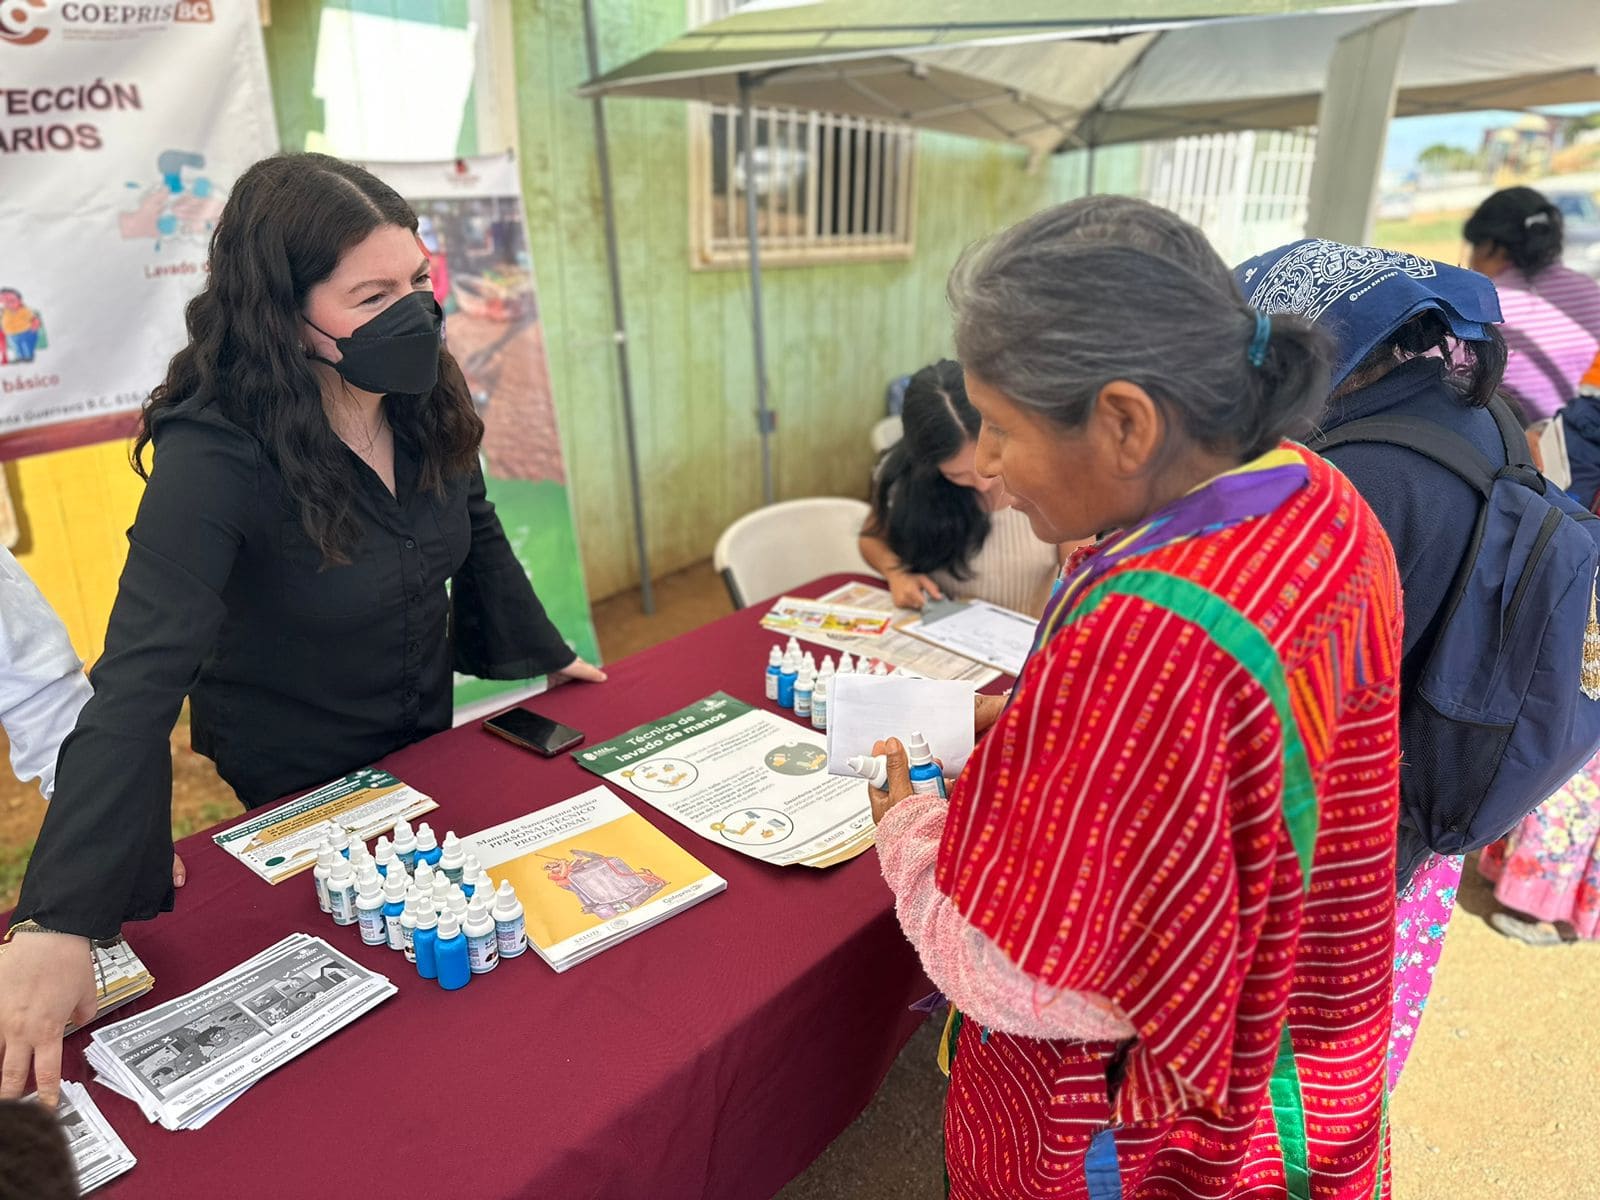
(769, 551)
(886, 433)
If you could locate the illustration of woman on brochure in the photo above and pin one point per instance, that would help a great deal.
(606, 886)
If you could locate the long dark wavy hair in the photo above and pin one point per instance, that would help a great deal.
(930, 523)
(286, 223)
(1475, 367)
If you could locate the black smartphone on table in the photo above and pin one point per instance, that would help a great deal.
(533, 732)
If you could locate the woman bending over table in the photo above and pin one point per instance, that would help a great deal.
(315, 486)
(938, 528)
(1161, 896)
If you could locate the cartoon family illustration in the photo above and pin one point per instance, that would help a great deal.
(605, 885)
(22, 327)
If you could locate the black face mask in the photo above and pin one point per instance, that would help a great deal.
(396, 351)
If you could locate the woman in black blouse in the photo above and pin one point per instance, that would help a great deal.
(315, 485)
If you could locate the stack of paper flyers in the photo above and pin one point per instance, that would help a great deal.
(743, 778)
(590, 873)
(98, 1154)
(790, 614)
(893, 648)
(282, 840)
(184, 1061)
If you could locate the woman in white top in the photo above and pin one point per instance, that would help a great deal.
(938, 529)
(42, 684)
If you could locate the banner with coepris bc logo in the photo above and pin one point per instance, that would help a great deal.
(122, 127)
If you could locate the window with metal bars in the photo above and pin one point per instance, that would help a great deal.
(827, 187)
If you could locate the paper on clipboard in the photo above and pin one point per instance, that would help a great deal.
(985, 633)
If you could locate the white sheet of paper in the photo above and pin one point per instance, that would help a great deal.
(985, 633)
(863, 709)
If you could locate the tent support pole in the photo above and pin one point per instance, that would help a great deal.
(765, 421)
(619, 323)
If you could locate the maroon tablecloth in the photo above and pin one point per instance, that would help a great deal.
(715, 1055)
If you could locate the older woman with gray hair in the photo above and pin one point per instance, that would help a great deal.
(1160, 896)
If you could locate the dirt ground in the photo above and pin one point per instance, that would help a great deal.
(1500, 1098)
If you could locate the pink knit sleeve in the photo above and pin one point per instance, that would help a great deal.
(967, 967)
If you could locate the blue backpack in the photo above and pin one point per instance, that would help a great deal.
(1499, 718)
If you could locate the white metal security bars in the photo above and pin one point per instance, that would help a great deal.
(1247, 191)
(827, 187)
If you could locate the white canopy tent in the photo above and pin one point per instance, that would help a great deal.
(1089, 73)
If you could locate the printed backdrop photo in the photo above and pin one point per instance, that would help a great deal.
(470, 220)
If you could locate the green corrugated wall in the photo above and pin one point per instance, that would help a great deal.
(836, 334)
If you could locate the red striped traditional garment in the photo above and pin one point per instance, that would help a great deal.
(1122, 832)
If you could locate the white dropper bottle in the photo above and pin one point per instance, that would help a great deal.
(483, 948)
(510, 926)
(452, 857)
(405, 844)
(319, 874)
(342, 891)
(369, 909)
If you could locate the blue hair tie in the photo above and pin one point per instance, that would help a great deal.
(1258, 343)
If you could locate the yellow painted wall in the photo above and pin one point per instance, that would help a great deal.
(74, 508)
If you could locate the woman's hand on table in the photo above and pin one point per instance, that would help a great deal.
(986, 711)
(46, 980)
(899, 779)
(912, 591)
(579, 670)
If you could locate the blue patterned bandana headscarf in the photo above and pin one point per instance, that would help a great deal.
(1360, 295)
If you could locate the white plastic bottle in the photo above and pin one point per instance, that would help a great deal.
(408, 925)
(452, 857)
(456, 901)
(484, 887)
(383, 855)
(342, 891)
(405, 844)
(819, 700)
(847, 665)
(423, 876)
(369, 910)
(341, 840)
(319, 874)
(880, 669)
(483, 946)
(874, 768)
(395, 887)
(441, 891)
(469, 874)
(804, 691)
(510, 926)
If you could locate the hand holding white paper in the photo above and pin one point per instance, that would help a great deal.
(867, 708)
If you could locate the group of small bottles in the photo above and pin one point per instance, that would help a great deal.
(794, 680)
(432, 902)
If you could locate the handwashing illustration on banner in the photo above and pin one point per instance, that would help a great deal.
(119, 142)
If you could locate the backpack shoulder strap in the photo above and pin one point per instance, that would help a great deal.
(1427, 438)
(1512, 435)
